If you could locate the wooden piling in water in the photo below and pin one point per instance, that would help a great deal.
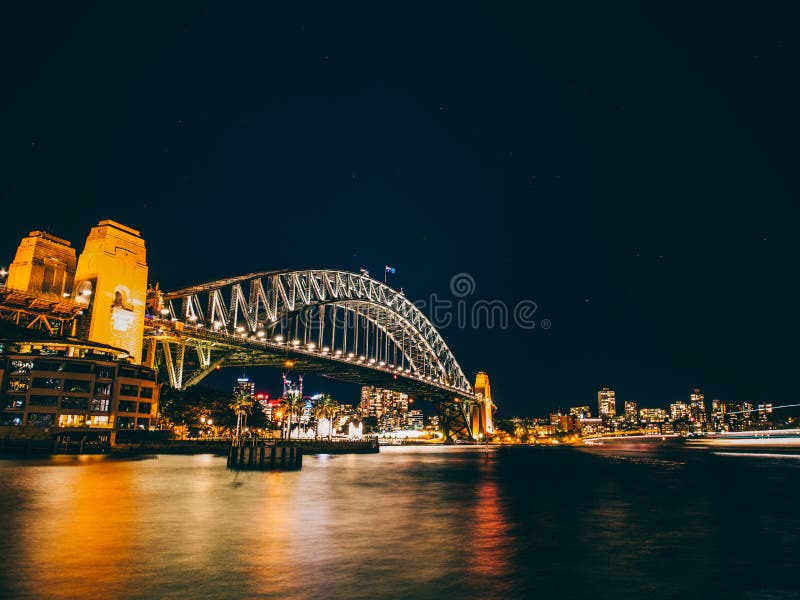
(261, 456)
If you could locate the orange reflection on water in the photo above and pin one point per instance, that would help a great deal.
(489, 550)
(72, 530)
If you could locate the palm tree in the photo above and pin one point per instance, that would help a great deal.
(292, 404)
(320, 411)
(331, 410)
(325, 408)
(241, 405)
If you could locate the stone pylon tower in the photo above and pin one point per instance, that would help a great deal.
(481, 412)
(44, 264)
(111, 279)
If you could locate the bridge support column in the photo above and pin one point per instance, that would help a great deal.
(481, 412)
(150, 355)
(454, 421)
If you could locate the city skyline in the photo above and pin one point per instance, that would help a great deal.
(634, 182)
(399, 300)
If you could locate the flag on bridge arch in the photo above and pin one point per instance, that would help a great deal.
(389, 269)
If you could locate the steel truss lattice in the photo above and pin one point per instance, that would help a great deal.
(335, 316)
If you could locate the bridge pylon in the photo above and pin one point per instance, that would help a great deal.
(111, 282)
(482, 410)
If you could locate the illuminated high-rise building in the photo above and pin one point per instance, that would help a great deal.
(718, 411)
(582, 412)
(740, 416)
(652, 415)
(697, 407)
(678, 410)
(245, 386)
(564, 423)
(376, 402)
(717, 407)
(631, 414)
(414, 419)
(606, 403)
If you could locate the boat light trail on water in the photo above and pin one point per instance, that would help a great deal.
(737, 412)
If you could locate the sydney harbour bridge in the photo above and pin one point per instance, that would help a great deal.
(334, 323)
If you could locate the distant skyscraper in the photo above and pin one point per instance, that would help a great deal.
(245, 386)
(717, 408)
(764, 410)
(606, 403)
(718, 411)
(377, 402)
(678, 410)
(740, 416)
(630, 412)
(697, 406)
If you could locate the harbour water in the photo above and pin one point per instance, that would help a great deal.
(410, 522)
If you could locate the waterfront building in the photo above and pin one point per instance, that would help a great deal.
(740, 416)
(581, 412)
(346, 414)
(718, 411)
(414, 420)
(652, 415)
(678, 411)
(617, 423)
(764, 411)
(376, 402)
(564, 423)
(697, 409)
(606, 403)
(541, 430)
(591, 426)
(631, 415)
(74, 383)
(433, 423)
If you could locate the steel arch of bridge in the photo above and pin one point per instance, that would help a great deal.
(312, 315)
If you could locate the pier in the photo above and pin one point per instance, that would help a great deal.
(263, 456)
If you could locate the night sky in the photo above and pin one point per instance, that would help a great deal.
(633, 171)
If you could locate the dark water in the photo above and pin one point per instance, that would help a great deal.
(408, 523)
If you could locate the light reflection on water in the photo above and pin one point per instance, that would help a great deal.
(409, 522)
